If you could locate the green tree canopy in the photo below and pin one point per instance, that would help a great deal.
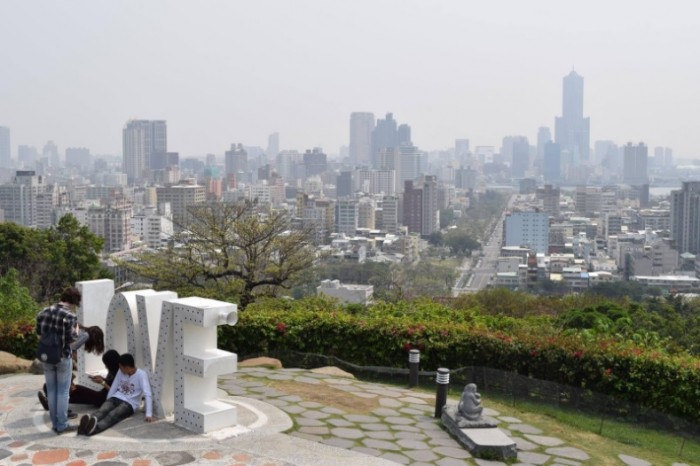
(17, 303)
(47, 261)
(460, 242)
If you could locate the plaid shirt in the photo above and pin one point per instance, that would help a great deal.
(61, 320)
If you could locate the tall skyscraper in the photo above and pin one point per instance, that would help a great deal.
(544, 135)
(236, 163)
(140, 139)
(520, 158)
(78, 157)
(51, 154)
(273, 146)
(551, 162)
(635, 160)
(571, 130)
(685, 217)
(384, 136)
(5, 154)
(420, 206)
(315, 161)
(361, 127)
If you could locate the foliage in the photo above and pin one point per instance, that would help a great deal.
(455, 337)
(17, 303)
(230, 250)
(19, 338)
(394, 282)
(47, 261)
(460, 242)
(17, 317)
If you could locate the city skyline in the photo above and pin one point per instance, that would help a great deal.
(455, 71)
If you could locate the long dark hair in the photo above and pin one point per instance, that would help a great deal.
(96, 342)
(111, 361)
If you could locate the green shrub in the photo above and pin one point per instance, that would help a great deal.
(381, 335)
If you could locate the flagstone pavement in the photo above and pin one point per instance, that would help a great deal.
(278, 425)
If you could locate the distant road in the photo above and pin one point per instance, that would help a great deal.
(485, 268)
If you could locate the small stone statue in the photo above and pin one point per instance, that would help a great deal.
(469, 408)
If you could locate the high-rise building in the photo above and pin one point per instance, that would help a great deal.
(411, 164)
(420, 206)
(78, 157)
(366, 211)
(346, 216)
(273, 146)
(635, 160)
(113, 223)
(181, 196)
(140, 139)
(520, 157)
(315, 161)
(404, 134)
(361, 127)
(685, 217)
(461, 148)
(343, 184)
(23, 200)
(571, 130)
(384, 136)
(5, 154)
(51, 154)
(550, 197)
(551, 162)
(544, 135)
(529, 229)
(236, 162)
(26, 156)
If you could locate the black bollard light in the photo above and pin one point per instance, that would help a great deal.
(413, 366)
(443, 383)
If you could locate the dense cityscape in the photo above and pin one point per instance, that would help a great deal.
(575, 215)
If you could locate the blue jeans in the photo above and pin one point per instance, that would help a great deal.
(58, 379)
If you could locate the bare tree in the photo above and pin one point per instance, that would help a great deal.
(230, 249)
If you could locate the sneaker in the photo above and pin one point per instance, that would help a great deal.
(91, 427)
(82, 427)
(72, 415)
(43, 400)
(66, 430)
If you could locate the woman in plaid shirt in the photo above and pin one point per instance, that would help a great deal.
(61, 319)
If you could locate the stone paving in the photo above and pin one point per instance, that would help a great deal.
(278, 427)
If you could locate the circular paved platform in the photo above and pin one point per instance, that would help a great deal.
(285, 417)
(26, 437)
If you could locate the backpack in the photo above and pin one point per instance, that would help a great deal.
(50, 348)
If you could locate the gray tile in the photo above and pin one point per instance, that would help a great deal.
(315, 415)
(347, 433)
(362, 418)
(396, 458)
(568, 452)
(420, 455)
(380, 444)
(339, 422)
(339, 442)
(452, 452)
(533, 458)
(412, 444)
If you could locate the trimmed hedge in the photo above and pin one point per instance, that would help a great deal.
(650, 378)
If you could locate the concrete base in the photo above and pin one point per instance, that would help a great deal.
(482, 442)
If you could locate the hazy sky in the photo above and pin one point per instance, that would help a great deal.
(220, 72)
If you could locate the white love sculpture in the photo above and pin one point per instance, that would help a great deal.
(173, 339)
